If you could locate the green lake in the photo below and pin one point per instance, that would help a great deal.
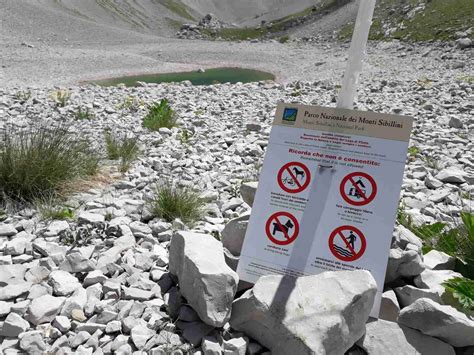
(209, 77)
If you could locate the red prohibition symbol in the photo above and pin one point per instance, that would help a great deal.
(358, 189)
(347, 243)
(282, 225)
(294, 177)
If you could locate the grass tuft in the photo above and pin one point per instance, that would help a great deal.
(50, 209)
(124, 148)
(38, 162)
(83, 114)
(22, 96)
(131, 104)
(60, 97)
(160, 115)
(171, 202)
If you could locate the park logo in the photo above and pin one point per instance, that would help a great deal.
(289, 115)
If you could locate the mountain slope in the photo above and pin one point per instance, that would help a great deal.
(419, 20)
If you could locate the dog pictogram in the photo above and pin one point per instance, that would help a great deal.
(282, 228)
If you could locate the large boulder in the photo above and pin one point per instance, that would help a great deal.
(234, 233)
(443, 322)
(389, 338)
(204, 278)
(318, 314)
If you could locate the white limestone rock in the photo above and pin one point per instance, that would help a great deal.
(44, 309)
(403, 263)
(85, 217)
(14, 290)
(234, 233)
(443, 322)
(63, 283)
(452, 175)
(389, 338)
(409, 294)
(247, 191)
(438, 260)
(433, 279)
(319, 314)
(13, 325)
(389, 307)
(205, 280)
(7, 230)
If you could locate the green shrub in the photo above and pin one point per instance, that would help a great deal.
(83, 114)
(124, 148)
(38, 162)
(160, 115)
(284, 39)
(462, 290)
(60, 97)
(172, 202)
(457, 241)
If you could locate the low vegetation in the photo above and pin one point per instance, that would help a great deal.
(171, 202)
(277, 27)
(81, 114)
(457, 242)
(160, 115)
(50, 209)
(131, 104)
(178, 8)
(185, 136)
(23, 96)
(462, 290)
(38, 162)
(60, 97)
(124, 148)
(397, 19)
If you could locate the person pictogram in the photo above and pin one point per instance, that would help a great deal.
(351, 239)
(347, 243)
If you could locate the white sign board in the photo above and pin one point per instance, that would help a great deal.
(327, 195)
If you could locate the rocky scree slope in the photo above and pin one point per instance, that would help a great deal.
(128, 288)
